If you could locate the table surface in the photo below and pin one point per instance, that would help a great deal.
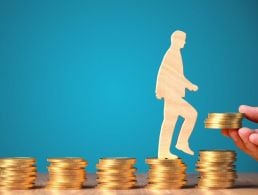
(246, 184)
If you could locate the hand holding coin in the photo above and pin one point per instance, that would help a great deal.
(245, 138)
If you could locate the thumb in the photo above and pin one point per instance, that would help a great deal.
(254, 138)
(251, 113)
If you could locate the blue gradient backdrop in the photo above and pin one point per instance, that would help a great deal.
(77, 78)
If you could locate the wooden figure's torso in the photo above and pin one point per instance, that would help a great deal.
(171, 75)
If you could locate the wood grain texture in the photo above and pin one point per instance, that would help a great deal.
(246, 184)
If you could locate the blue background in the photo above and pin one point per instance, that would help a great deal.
(77, 78)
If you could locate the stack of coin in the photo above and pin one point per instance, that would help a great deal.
(17, 173)
(166, 173)
(66, 173)
(116, 173)
(216, 169)
(224, 120)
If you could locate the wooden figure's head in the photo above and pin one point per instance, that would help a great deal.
(178, 39)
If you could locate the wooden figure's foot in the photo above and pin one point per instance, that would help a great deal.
(185, 148)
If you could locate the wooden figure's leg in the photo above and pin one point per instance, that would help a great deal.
(166, 132)
(189, 114)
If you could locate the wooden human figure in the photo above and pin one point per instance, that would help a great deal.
(171, 84)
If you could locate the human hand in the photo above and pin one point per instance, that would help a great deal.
(193, 87)
(245, 138)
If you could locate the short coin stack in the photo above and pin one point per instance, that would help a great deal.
(224, 120)
(166, 173)
(116, 173)
(216, 169)
(66, 173)
(17, 173)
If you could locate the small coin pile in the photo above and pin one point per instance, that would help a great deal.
(17, 173)
(216, 169)
(66, 173)
(116, 173)
(166, 173)
(224, 120)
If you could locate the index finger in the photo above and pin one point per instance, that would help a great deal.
(251, 113)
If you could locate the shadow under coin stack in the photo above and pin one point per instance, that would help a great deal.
(17, 173)
(116, 173)
(66, 173)
(216, 169)
(224, 120)
(166, 173)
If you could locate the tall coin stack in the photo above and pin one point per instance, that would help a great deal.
(166, 173)
(224, 120)
(216, 169)
(17, 173)
(116, 173)
(66, 173)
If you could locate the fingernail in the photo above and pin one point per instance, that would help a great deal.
(243, 108)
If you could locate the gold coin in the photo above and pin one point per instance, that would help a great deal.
(218, 164)
(213, 183)
(217, 152)
(69, 167)
(121, 167)
(16, 187)
(164, 186)
(70, 178)
(14, 165)
(56, 186)
(227, 114)
(117, 177)
(107, 187)
(17, 184)
(214, 170)
(117, 171)
(223, 120)
(72, 167)
(66, 160)
(17, 179)
(18, 159)
(65, 182)
(19, 169)
(116, 180)
(175, 182)
(214, 187)
(58, 169)
(165, 169)
(219, 126)
(117, 160)
(100, 175)
(159, 178)
(19, 174)
(163, 161)
(118, 185)
(218, 173)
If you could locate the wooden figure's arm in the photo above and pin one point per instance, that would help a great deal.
(189, 85)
